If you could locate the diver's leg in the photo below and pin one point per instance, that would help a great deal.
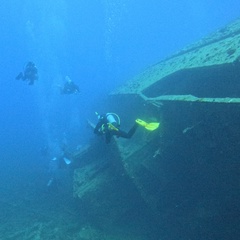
(19, 76)
(128, 134)
(108, 137)
(31, 81)
(132, 130)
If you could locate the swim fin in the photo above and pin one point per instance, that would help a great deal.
(149, 126)
(141, 122)
(152, 126)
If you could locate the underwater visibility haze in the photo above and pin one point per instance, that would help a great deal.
(99, 45)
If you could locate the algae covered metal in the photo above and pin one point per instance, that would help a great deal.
(207, 71)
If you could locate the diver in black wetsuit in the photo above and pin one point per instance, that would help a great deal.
(109, 125)
(69, 87)
(30, 73)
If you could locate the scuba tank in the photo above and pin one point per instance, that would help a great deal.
(111, 117)
(112, 121)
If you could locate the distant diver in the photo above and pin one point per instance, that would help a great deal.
(109, 125)
(69, 87)
(30, 73)
(62, 161)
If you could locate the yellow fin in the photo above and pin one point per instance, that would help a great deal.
(141, 122)
(152, 126)
(149, 126)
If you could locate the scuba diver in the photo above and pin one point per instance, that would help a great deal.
(109, 125)
(30, 73)
(57, 163)
(69, 87)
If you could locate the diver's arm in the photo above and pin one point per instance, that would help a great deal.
(99, 124)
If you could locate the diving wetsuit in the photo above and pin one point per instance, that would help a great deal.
(108, 125)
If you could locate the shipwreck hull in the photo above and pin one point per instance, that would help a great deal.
(183, 178)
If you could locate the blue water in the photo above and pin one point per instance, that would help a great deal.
(99, 44)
